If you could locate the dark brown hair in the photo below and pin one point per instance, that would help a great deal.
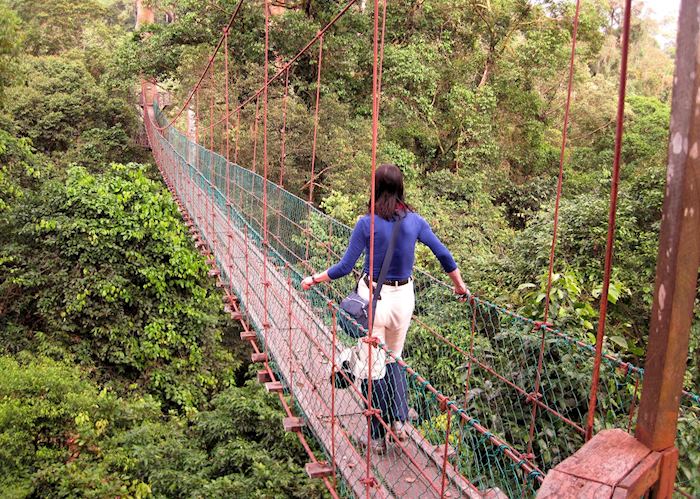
(388, 192)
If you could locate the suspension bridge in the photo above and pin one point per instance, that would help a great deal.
(497, 400)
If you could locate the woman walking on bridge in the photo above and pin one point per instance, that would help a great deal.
(396, 299)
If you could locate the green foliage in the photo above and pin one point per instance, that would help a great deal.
(237, 449)
(55, 429)
(104, 266)
(10, 40)
(58, 99)
(61, 434)
(343, 207)
(53, 26)
(20, 168)
(97, 147)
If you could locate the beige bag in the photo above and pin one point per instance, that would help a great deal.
(359, 359)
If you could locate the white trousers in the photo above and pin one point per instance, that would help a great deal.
(393, 315)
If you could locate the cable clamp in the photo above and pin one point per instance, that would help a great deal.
(533, 397)
(371, 340)
(371, 412)
(543, 325)
(369, 482)
(442, 401)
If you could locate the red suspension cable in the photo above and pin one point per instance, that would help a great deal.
(255, 135)
(371, 339)
(283, 152)
(238, 129)
(612, 212)
(560, 182)
(265, 283)
(318, 100)
(204, 73)
(212, 166)
(228, 124)
(306, 47)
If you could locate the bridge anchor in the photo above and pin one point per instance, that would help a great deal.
(264, 376)
(248, 336)
(293, 423)
(274, 386)
(258, 357)
(318, 470)
(613, 464)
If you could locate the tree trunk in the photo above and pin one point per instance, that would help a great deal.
(144, 14)
(487, 68)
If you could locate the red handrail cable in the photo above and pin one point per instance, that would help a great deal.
(212, 169)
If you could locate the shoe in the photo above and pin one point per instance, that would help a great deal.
(376, 446)
(399, 429)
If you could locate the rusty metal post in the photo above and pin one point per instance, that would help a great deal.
(679, 256)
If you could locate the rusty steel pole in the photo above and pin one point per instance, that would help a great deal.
(678, 259)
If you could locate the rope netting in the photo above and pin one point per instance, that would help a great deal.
(496, 399)
(470, 367)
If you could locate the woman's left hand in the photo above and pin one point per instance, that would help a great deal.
(307, 283)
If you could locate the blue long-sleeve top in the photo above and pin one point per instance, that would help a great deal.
(413, 228)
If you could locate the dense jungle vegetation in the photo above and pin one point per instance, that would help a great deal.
(122, 376)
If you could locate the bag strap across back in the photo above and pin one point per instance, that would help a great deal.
(386, 262)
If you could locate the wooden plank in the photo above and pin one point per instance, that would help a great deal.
(248, 336)
(274, 387)
(258, 357)
(439, 452)
(293, 423)
(667, 473)
(641, 478)
(494, 493)
(678, 258)
(607, 458)
(431, 457)
(559, 485)
(318, 470)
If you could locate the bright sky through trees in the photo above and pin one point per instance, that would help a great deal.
(666, 13)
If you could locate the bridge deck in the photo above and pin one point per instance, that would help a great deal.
(301, 346)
